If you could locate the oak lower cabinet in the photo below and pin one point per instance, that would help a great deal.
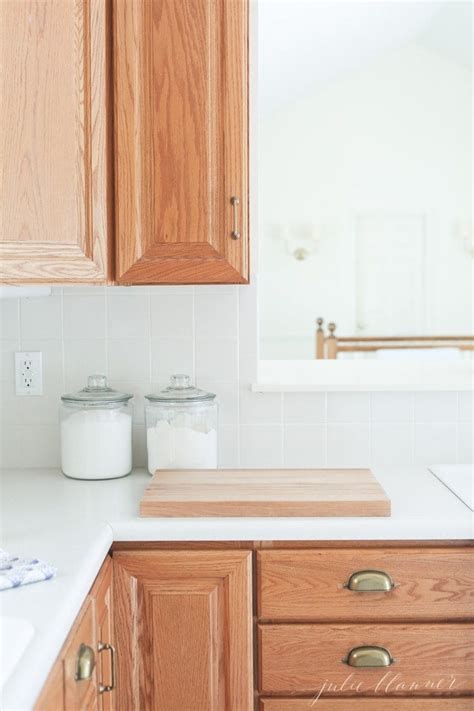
(82, 679)
(183, 622)
(341, 624)
(54, 124)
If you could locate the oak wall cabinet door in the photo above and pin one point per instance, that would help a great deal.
(183, 622)
(53, 121)
(181, 134)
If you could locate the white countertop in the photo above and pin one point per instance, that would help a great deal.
(72, 524)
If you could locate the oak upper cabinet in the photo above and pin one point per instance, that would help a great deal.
(53, 116)
(183, 623)
(181, 134)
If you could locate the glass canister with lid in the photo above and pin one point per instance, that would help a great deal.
(96, 432)
(181, 423)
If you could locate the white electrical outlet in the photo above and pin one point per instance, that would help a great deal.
(28, 373)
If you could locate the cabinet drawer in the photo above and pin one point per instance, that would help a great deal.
(428, 659)
(429, 584)
(367, 704)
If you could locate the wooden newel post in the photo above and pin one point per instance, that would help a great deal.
(319, 338)
(331, 342)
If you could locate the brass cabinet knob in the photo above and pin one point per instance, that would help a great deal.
(370, 581)
(235, 202)
(85, 663)
(368, 657)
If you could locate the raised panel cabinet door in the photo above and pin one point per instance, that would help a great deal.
(181, 139)
(183, 623)
(55, 179)
(101, 593)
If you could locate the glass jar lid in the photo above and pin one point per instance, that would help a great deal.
(97, 392)
(180, 391)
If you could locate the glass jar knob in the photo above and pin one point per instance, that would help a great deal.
(97, 382)
(180, 381)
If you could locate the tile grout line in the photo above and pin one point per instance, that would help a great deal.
(282, 433)
(325, 429)
(371, 431)
(63, 348)
(18, 324)
(106, 331)
(457, 428)
(150, 351)
(239, 384)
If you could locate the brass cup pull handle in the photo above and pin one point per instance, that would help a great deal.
(369, 657)
(85, 663)
(370, 581)
(235, 202)
(103, 647)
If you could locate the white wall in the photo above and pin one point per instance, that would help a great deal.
(139, 336)
(391, 139)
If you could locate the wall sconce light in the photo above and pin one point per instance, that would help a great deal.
(302, 241)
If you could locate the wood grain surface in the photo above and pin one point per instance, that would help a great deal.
(181, 135)
(385, 704)
(265, 492)
(56, 181)
(184, 630)
(430, 584)
(430, 659)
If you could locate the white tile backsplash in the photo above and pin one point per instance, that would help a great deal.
(216, 360)
(84, 317)
(435, 443)
(259, 408)
(436, 407)
(228, 447)
(139, 336)
(129, 360)
(171, 315)
(466, 443)
(10, 319)
(348, 445)
(215, 316)
(392, 443)
(304, 446)
(261, 446)
(41, 318)
(304, 407)
(171, 356)
(348, 407)
(128, 316)
(392, 407)
(81, 359)
(466, 407)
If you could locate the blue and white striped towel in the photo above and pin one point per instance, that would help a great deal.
(16, 571)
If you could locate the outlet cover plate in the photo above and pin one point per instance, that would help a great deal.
(28, 373)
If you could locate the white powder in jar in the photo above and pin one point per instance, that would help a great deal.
(96, 444)
(178, 447)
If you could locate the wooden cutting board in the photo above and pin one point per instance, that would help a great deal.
(264, 492)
